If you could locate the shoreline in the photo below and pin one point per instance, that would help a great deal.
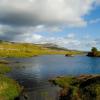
(78, 87)
(9, 88)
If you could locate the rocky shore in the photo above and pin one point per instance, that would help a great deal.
(94, 52)
(84, 87)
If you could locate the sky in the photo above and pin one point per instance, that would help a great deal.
(73, 24)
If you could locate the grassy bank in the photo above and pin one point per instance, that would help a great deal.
(85, 87)
(9, 89)
(8, 49)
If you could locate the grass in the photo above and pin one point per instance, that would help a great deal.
(4, 69)
(98, 54)
(63, 81)
(85, 87)
(8, 49)
(91, 92)
(69, 88)
(9, 89)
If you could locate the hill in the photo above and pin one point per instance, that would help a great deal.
(54, 46)
(12, 49)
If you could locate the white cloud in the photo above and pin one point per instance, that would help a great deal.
(46, 12)
(28, 38)
(97, 2)
(71, 35)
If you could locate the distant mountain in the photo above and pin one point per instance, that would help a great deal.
(53, 46)
(15, 49)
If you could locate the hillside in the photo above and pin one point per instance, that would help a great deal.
(54, 47)
(12, 49)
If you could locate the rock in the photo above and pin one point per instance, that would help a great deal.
(69, 55)
(24, 94)
(93, 54)
(4, 62)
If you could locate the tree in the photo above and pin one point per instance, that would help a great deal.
(94, 49)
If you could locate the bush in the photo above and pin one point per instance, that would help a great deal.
(94, 49)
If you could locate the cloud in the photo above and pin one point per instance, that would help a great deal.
(70, 36)
(24, 20)
(44, 12)
(29, 38)
(12, 33)
(34, 16)
(97, 2)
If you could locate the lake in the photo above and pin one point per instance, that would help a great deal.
(34, 73)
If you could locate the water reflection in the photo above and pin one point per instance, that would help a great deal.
(33, 73)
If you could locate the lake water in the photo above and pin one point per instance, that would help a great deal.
(34, 73)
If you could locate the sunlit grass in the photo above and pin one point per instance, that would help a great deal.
(9, 89)
(29, 50)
